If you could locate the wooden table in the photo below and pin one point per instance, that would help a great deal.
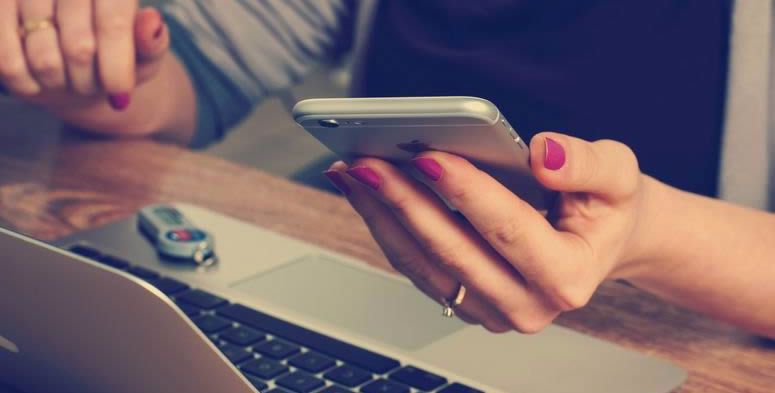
(52, 184)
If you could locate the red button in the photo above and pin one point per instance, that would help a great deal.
(181, 235)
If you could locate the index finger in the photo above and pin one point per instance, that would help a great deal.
(114, 26)
(14, 73)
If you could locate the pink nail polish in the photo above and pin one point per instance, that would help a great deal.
(119, 102)
(428, 167)
(554, 155)
(338, 181)
(366, 176)
(157, 34)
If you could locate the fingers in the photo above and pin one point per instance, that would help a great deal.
(44, 55)
(553, 263)
(605, 168)
(151, 35)
(114, 26)
(14, 73)
(153, 43)
(79, 44)
(452, 245)
(406, 256)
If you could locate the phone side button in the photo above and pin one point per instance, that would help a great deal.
(519, 143)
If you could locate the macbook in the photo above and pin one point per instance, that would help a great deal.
(102, 311)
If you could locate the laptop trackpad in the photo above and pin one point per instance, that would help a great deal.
(387, 310)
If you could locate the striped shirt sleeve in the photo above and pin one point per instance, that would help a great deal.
(239, 51)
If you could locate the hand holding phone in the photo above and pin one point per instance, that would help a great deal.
(396, 129)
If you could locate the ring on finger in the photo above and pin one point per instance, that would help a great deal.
(450, 304)
(34, 25)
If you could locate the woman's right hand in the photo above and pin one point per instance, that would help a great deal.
(63, 54)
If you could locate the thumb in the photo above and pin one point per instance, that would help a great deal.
(151, 35)
(605, 168)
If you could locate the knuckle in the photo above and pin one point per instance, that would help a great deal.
(401, 205)
(585, 175)
(527, 325)
(570, 299)
(46, 63)
(80, 50)
(411, 267)
(84, 87)
(459, 196)
(505, 232)
(451, 260)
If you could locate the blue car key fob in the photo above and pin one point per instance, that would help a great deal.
(176, 237)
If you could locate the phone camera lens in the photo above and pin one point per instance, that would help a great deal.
(328, 123)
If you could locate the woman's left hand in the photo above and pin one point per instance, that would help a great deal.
(521, 269)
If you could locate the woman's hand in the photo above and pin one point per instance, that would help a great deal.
(521, 269)
(73, 53)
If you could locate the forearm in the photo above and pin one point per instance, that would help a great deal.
(711, 256)
(163, 108)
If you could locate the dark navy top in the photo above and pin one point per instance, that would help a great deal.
(651, 74)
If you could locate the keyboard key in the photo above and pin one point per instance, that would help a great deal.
(169, 286)
(189, 310)
(348, 375)
(259, 384)
(242, 336)
(312, 362)
(385, 386)
(277, 390)
(211, 324)
(332, 347)
(264, 368)
(86, 252)
(335, 389)
(113, 262)
(277, 349)
(300, 382)
(234, 353)
(418, 379)
(145, 274)
(459, 388)
(202, 299)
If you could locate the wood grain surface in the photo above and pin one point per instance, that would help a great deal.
(53, 183)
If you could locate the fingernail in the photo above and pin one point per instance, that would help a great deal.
(119, 102)
(428, 167)
(157, 34)
(366, 176)
(338, 181)
(554, 156)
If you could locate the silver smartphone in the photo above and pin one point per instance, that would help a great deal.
(398, 128)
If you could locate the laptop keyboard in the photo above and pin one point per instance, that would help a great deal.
(280, 357)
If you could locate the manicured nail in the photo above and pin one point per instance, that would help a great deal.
(554, 155)
(157, 34)
(428, 167)
(120, 102)
(366, 176)
(338, 181)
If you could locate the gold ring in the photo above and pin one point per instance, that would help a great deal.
(449, 305)
(32, 25)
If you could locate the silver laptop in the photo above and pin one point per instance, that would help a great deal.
(274, 314)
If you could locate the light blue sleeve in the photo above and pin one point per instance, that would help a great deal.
(239, 51)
